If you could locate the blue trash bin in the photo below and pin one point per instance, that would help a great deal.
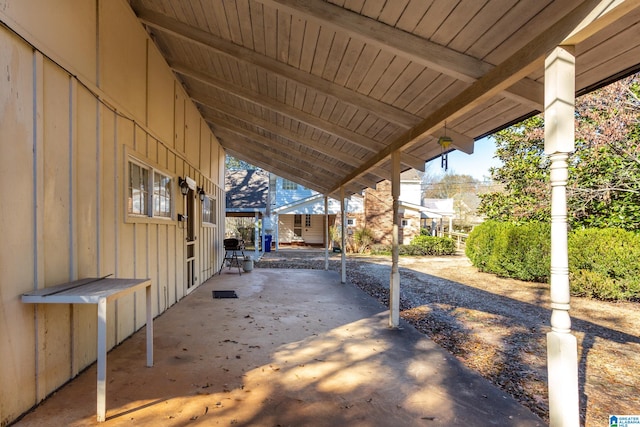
(267, 242)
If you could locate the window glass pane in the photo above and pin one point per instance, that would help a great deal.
(138, 176)
(307, 220)
(289, 185)
(161, 195)
(208, 210)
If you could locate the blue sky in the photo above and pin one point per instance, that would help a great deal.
(477, 164)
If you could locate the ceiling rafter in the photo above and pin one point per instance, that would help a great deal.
(424, 52)
(514, 68)
(384, 111)
(309, 77)
(293, 113)
(283, 152)
(299, 140)
(325, 167)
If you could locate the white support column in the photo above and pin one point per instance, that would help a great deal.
(394, 282)
(326, 233)
(277, 235)
(343, 252)
(256, 237)
(562, 349)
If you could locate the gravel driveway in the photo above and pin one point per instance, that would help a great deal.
(498, 326)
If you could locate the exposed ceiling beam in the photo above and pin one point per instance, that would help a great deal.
(299, 140)
(279, 107)
(242, 54)
(424, 52)
(603, 15)
(262, 145)
(292, 173)
(516, 67)
(378, 173)
(294, 113)
(324, 166)
(354, 98)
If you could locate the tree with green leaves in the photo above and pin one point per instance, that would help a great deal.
(604, 171)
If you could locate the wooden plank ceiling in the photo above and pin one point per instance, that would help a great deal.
(322, 92)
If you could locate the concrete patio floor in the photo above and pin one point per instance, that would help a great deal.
(296, 348)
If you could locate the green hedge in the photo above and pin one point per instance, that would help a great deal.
(420, 246)
(603, 263)
(521, 252)
(432, 245)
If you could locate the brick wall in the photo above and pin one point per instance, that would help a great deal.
(378, 211)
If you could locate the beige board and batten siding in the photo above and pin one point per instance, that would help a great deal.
(82, 90)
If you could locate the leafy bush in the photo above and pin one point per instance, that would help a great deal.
(362, 238)
(379, 249)
(527, 252)
(508, 250)
(603, 264)
(481, 244)
(431, 245)
(420, 246)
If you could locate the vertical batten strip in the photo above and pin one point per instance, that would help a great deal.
(98, 190)
(38, 219)
(73, 216)
(116, 216)
(73, 176)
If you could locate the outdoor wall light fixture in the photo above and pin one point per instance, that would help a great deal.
(201, 194)
(184, 186)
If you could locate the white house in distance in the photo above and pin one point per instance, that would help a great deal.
(298, 213)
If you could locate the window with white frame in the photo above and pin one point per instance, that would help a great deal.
(289, 185)
(351, 222)
(307, 220)
(404, 223)
(149, 191)
(209, 210)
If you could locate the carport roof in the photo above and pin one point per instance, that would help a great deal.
(322, 92)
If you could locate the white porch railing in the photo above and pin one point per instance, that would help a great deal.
(460, 238)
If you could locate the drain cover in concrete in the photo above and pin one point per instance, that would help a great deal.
(225, 294)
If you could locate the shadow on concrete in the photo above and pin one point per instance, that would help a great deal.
(295, 348)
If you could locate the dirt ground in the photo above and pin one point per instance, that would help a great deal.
(498, 327)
